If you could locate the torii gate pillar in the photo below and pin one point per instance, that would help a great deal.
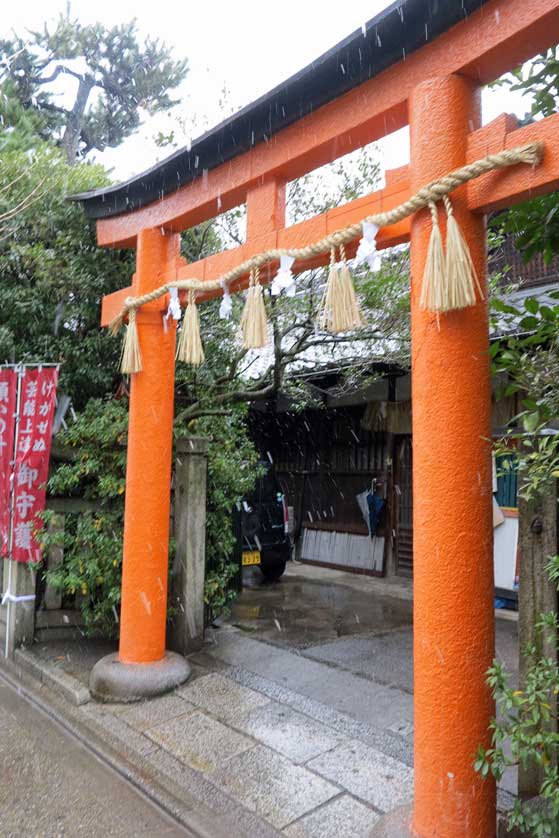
(453, 534)
(142, 667)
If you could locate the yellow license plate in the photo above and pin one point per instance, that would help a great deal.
(251, 557)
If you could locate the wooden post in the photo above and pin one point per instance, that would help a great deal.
(453, 536)
(19, 617)
(187, 585)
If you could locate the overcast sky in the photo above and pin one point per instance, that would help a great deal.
(244, 46)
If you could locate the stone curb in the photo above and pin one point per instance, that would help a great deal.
(53, 676)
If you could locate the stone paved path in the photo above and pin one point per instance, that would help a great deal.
(306, 772)
(290, 725)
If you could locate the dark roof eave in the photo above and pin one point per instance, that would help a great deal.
(398, 30)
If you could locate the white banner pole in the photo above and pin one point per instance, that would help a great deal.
(20, 370)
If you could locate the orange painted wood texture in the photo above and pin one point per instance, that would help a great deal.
(452, 499)
(143, 612)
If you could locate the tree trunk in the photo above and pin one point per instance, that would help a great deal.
(72, 132)
(537, 533)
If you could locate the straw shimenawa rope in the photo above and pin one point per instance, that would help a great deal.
(530, 154)
(433, 290)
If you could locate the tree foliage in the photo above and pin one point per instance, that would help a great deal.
(534, 224)
(524, 733)
(525, 730)
(54, 274)
(540, 79)
(92, 470)
(114, 78)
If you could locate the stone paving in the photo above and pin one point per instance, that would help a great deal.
(302, 728)
(305, 777)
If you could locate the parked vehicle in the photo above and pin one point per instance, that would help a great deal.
(265, 527)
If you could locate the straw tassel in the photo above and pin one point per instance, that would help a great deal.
(434, 293)
(189, 347)
(339, 310)
(462, 279)
(254, 324)
(117, 323)
(326, 314)
(131, 358)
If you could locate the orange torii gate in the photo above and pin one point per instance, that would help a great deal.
(435, 87)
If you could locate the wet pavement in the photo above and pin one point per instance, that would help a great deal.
(361, 624)
(355, 623)
(76, 658)
(306, 608)
(50, 786)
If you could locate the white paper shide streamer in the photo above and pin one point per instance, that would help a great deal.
(284, 279)
(174, 309)
(226, 306)
(367, 250)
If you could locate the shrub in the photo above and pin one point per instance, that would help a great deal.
(94, 471)
(525, 729)
(92, 539)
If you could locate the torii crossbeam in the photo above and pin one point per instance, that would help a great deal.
(436, 89)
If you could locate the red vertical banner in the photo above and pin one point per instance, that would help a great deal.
(8, 397)
(36, 411)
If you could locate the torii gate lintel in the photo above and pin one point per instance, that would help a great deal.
(266, 229)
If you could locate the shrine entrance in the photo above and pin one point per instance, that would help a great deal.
(409, 66)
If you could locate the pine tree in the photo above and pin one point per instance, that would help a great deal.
(112, 76)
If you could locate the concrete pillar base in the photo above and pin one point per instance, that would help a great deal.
(113, 681)
(395, 824)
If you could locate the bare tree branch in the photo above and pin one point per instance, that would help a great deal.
(60, 68)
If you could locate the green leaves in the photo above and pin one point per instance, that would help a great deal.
(528, 366)
(525, 728)
(54, 275)
(532, 305)
(92, 468)
(540, 78)
(529, 324)
(531, 421)
(526, 723)
(534, 226)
